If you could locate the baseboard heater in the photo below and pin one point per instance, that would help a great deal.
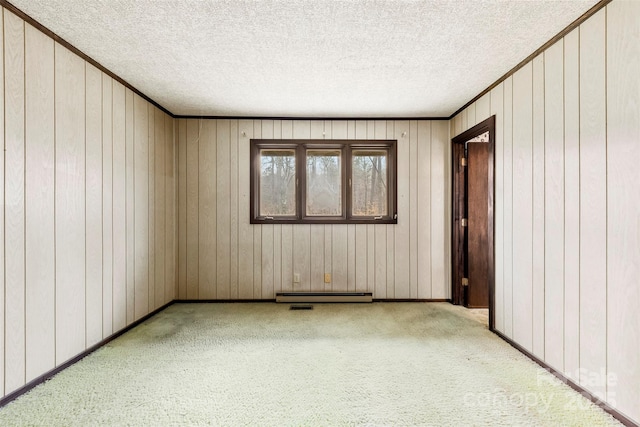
(324, 297)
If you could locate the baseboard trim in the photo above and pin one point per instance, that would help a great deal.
(233, 301)
(220, 301)
(411, 300)
(584, 392)
(42, 378)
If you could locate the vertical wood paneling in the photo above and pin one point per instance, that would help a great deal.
(471, 116)
(113, 206)
(361, 243)
(580, 239)
(267, 287)
(483, 108)
(141, 205)
(181, 138)
(464, 120)
(151, 244)
(402, 231)
(129, 186)
(593, 196)
(497, 109)
(330, 237)
(2, 211)
(287, 230)
(39, 203)
(443, 133)
(522, 207)
(267, 249)
(351, 230)
(371, 231)
(257, 235)
(245, 231)
(75, 179)
(538, 283)
(194, 130)
(206, 215)
(108, 283)
(554, 206)
(233, 209)
(623, 206)
(277, 231)
(571, 206)
(319, 247)
(223, 211)
(391, 230)
(380, 263)
(336, 246)
(14, 366)
(413, 208)
(170, 205)
(423, 235)
(160, 176)
(440, 215)
(93, 205)
(302, 234)
(119, 208)
(508, 206)
(70, 204)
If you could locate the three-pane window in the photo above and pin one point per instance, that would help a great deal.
(309, 181)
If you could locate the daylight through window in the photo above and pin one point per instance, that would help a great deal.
(323, 181)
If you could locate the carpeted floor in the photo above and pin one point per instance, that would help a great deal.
(381, 364)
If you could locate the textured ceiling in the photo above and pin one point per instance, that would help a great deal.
(302, 58)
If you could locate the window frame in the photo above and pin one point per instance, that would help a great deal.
(300, 147)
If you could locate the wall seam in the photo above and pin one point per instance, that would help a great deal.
(55, 240)
(533, 208)
(564, 210)
(84, 103)
(24, 194)
(4, 217)
(579, 211)
(112, 215)
(544, 205)
(606, 211)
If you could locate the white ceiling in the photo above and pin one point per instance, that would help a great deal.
(303, 58)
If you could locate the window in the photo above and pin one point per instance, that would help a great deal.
(323, 181)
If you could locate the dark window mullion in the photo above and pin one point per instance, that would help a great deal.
(301, 180)
(348, 182)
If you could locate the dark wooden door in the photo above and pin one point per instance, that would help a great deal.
(477, 229)
(459, 236)
(472, 218)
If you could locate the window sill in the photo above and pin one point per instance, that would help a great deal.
(324, 221)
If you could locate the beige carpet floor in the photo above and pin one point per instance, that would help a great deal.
(381, 364)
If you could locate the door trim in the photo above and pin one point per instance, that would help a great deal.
(487, 125)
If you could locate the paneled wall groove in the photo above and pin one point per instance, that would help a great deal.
(391, 261)
(64, 175)
(567, 208)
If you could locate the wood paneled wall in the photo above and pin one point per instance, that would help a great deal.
(87, 167)
(222, 256)
(568, 206)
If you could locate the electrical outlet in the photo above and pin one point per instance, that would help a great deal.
(327, 277)
(296, 277)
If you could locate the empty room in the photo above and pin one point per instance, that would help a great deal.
(320, 213)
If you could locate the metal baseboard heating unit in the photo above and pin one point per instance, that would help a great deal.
(324, 297)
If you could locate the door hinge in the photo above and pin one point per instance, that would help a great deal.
(465, 281)
(463, 161)
(463, 222)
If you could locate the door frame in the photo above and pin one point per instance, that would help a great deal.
(487, 125)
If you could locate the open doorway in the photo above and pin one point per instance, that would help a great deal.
(472, 220)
